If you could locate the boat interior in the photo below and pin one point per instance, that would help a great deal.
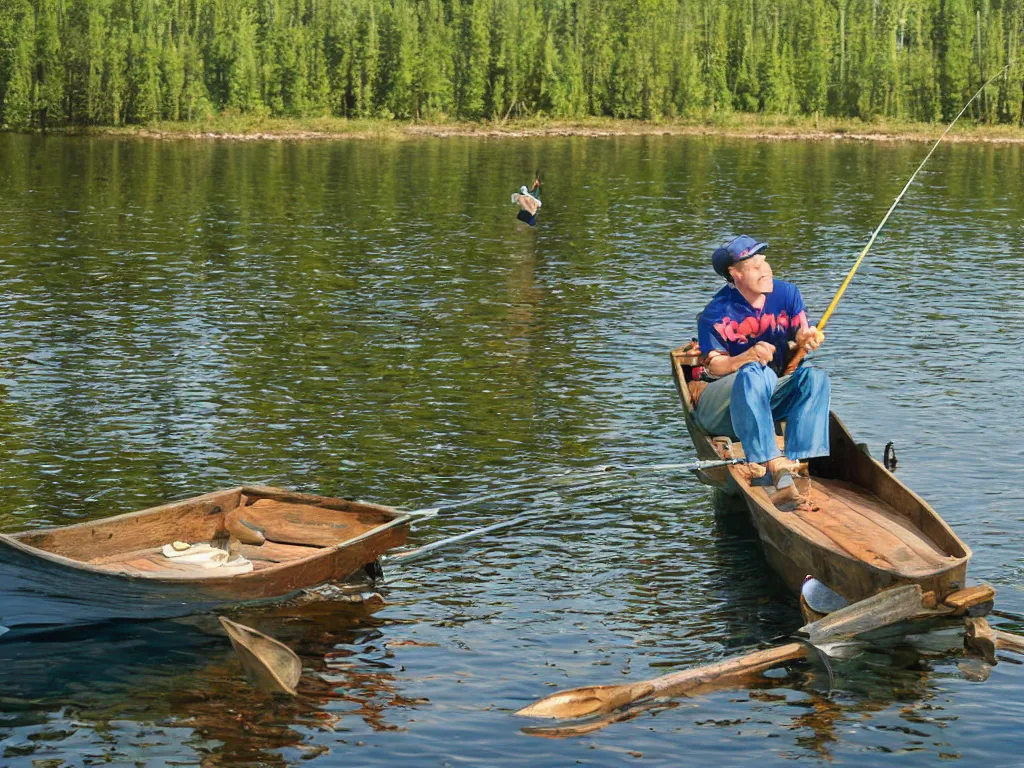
(844, 516)
(267, 529)
(854, 506)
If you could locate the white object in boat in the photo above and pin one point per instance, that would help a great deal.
(205, 556)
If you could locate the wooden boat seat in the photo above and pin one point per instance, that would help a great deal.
(287, 523)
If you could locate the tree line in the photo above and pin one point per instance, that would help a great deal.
(115, 62)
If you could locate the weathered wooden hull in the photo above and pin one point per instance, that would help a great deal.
(36, 594)
(793, 555)
(875, 534)
(42, 589)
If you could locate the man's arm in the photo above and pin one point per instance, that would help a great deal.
(721, 364)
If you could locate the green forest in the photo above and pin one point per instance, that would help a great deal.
(118, 62)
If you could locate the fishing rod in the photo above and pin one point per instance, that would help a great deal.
(800, 352)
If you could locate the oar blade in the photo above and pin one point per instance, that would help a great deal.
(268, 663)
(888, 607)
(584, 702)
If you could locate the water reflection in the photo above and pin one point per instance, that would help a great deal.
(182, 675)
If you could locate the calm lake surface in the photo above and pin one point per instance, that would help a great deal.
(369, 320)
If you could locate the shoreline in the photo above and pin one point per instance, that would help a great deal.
(226, 128)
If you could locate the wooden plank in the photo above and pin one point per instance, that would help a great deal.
(601, 699)
(190, 520)
(122, 557)
(888, 607)
(846, 535)
(967, 598)
(275, 552)
(1008, 641)
(981, 639)
(866, 472)
(288, 523)
(874, 509)
(138, 564)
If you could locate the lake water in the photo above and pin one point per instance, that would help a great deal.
(369, 320)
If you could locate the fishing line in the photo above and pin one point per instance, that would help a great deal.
(412, 555)
(549, 483)
(874, 235)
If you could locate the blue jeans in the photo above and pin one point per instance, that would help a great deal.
(745, 406)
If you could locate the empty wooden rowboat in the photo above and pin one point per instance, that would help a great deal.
(863, 530)
(279, 543)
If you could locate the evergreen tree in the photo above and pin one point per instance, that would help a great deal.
(399, 54)
(954, 49)
(243, 85)
(110, 61)
(744, 59)
(471, 72)
(714, 56)
(365, 63)
(18, 91)
(49, 79)
(432, 67)
(172, 67)
(688, 85)
(115, 68)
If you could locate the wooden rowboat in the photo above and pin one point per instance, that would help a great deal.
(115, 568)
(863, 530)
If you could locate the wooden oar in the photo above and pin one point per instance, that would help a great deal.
(1008, 641)
(885, 608)
(270, 664)
(882, 610)
(603, 699)
(800, 352)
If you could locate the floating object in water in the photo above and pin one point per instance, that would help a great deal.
(820, 597)
(269, 663)
(529, 203)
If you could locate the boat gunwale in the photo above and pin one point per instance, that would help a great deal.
(14, 540)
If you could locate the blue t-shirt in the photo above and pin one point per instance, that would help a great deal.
(730, 325)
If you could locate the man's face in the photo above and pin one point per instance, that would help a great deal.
(753, 275)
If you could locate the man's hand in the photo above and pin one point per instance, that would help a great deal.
(809, 338)
(762, 352)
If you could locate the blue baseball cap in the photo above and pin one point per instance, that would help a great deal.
(733, 252)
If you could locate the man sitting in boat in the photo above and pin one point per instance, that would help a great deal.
(744, 333)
